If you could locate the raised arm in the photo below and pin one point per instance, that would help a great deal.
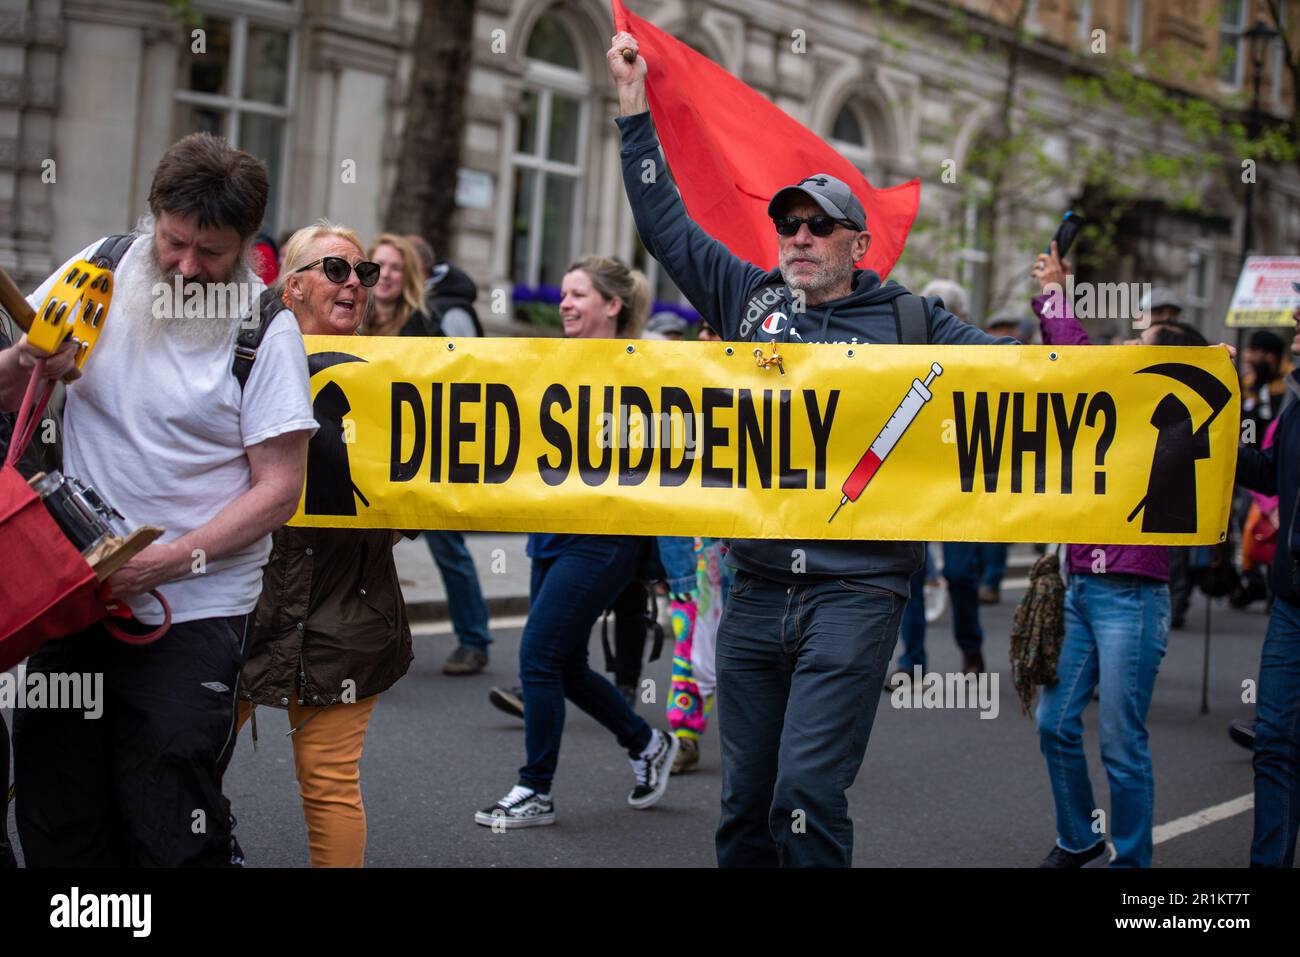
(1060, 328)
(711, 277)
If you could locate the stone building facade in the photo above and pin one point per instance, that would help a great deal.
(92, 91)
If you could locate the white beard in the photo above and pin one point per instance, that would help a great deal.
(144, 296)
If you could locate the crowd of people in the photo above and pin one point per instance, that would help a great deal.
(791, 663)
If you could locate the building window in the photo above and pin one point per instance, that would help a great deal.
(1279, 65)
(239, 87)
(1199, 289)
(1232, 45)
(1135, 26)
(974, 257)
(548, 156)
(851, 138)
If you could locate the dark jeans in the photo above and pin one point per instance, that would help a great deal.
(465, 604)
(1180, 582)
(961, 569)
(141, 784)
(800, 670)
(630, 634)
(1277, 740)
(566, 596)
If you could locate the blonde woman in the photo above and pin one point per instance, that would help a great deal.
(397, 297)
(330, 631)
(574, 579)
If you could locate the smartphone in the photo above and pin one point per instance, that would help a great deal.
(1070, 225)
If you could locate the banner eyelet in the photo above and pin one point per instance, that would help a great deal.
(631, 349)
(1052, 356)
(730, 351)
(850, 353)
(451, 346)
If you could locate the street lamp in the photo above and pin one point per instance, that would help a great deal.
(1258, 37)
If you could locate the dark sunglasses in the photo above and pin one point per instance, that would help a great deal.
(819, 225)
(337, 270)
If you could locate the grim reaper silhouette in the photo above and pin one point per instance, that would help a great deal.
(1170, 502)
(330, 489)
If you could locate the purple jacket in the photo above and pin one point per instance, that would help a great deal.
(1149, 561)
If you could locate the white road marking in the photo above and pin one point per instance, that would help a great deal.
(1200, 819)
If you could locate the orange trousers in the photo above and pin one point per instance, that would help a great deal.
(327, 760)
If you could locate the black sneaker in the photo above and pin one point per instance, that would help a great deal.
(522, 807)
(652, 770)
(509, 700)
(464, 661)
(1095, 856)
(1243, 733)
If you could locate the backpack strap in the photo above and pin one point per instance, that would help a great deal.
(251, 335)
(911, 319)
(111, 251)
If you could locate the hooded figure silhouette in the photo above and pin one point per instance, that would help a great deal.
(330, 489)
(1170, 502)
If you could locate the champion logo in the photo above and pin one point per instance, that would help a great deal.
(774, 323)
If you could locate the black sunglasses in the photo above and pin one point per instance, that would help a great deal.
(819, 225)
(337, 270)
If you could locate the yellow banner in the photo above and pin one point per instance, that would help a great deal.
(1114, 445)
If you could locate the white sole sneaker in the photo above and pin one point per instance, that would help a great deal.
(665, 772)
(503, 822)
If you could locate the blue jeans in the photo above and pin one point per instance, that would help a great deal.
(993, 563)
(468, 610)
(566, 596)
(961, 569)
(1277, 740)
(1116, 630)
(800, 670)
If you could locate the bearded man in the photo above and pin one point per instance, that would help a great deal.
(163, 430)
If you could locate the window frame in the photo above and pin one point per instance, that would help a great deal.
(233, 104)
(1235, 32)
(1134, 19)
(547, 80)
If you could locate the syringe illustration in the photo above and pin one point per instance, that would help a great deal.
(917, 396)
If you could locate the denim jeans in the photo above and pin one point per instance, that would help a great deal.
(993, 563)
(465, 604)
(566, 596)
(1277, 740)
(800, 670)
(961, 569)
(1116, 630)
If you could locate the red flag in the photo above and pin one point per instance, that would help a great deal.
(730, 149)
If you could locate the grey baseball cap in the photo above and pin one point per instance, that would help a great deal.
(831, 194)
(1160, 298)
(666, 322)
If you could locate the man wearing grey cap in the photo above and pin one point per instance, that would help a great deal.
(1159, 305)
(810, 626)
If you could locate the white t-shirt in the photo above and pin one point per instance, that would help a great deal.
(158, 427)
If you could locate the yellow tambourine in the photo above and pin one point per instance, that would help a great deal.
(76, 307)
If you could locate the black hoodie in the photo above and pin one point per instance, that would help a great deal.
(720, 286)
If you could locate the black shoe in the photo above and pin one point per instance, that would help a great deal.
(522, 807)
(464, 661)
(509, 700)
(1243, 733)
(652, 770)
(1095, 856)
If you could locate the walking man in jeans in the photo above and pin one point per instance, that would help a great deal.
(810, 625)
